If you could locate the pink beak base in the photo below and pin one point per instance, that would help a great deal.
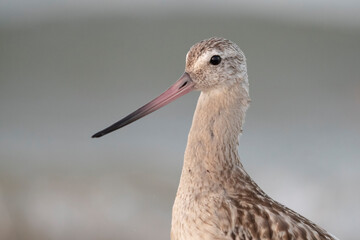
(181, 87)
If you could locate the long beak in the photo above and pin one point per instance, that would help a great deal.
(181, 87)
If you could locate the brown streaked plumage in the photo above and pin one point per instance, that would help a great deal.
(216, 198)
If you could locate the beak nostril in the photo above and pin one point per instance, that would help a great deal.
(184, 84)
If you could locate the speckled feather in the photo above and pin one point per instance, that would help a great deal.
(216, 198)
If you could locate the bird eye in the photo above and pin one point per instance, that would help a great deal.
(215, 60)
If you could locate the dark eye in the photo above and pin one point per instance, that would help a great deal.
(215, 60)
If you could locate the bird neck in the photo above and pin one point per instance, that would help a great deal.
(217, 123)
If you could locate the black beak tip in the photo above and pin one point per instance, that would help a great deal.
(97, 135)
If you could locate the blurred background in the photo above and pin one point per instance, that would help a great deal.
(71, 68)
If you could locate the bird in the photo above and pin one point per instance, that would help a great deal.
(216, 198)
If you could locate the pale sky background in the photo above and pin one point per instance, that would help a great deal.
(333, 13)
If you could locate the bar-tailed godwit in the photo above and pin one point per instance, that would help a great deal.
(216, 198)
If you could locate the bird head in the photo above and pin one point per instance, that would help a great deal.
(214, 63)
